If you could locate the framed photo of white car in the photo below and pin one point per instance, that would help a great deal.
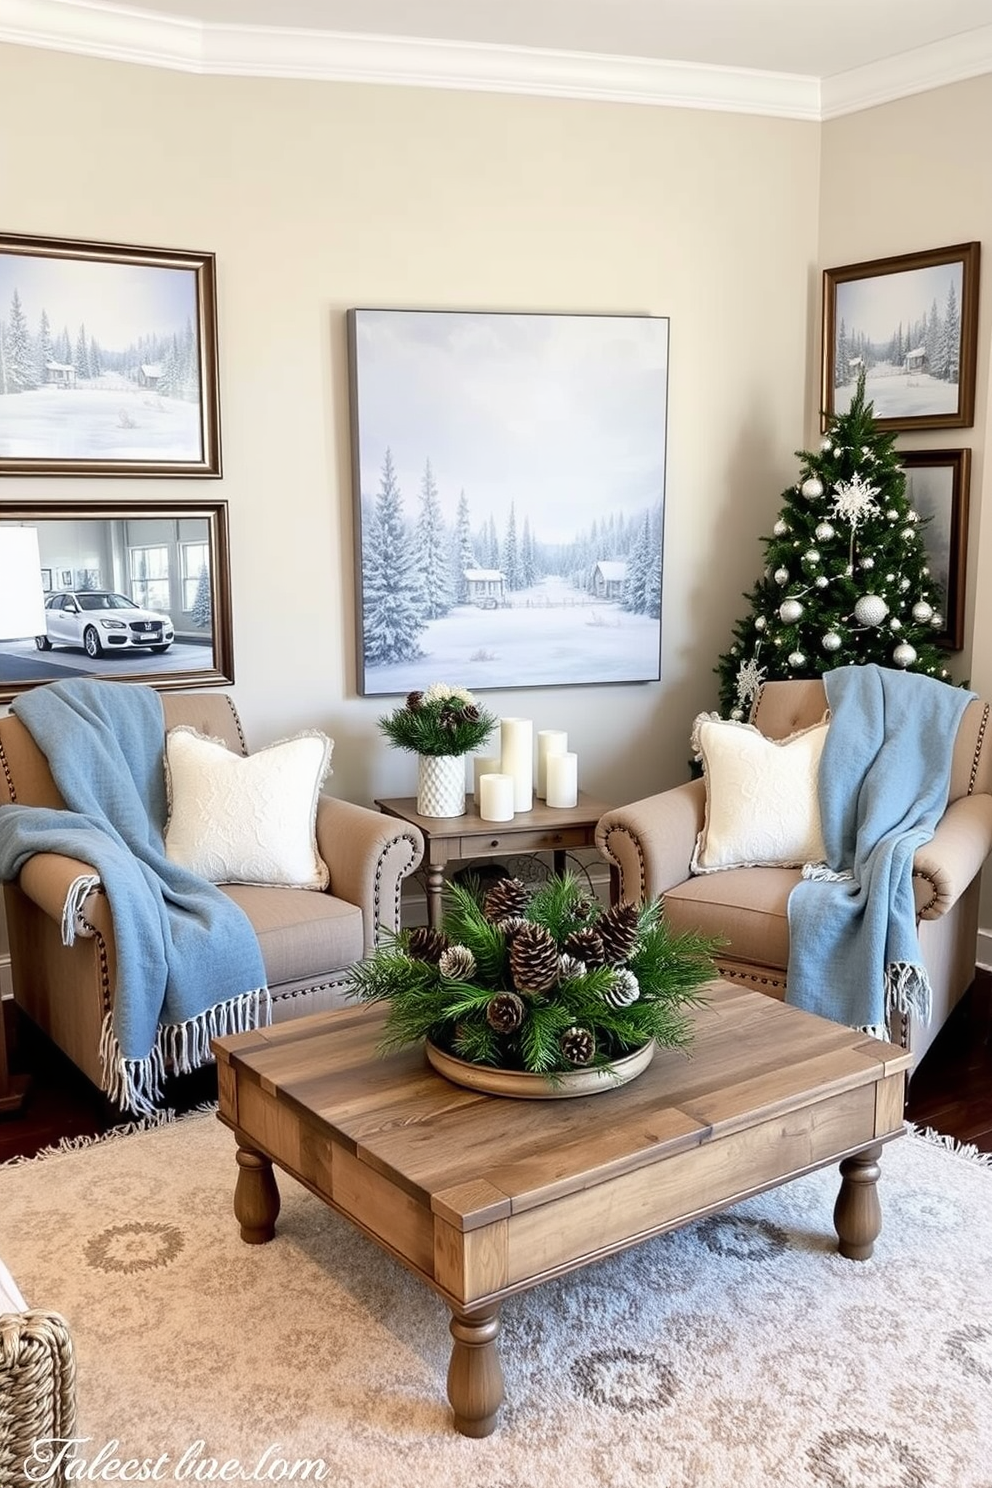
(136, 591)
(910, 324)
(108, 359)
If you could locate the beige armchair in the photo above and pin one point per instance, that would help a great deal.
(308, 939)
(650, 844)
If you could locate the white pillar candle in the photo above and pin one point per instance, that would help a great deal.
(563, 779)
(496, 797)
(517, 759)
(549, 741)
(483, 765)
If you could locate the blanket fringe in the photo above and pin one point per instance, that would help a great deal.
(73, 923)
(908, 990)
(136, 1085)
(821, 873)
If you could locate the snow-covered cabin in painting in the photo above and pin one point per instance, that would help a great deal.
(608, 577)
(60, 374)
(916, 359)
(149, 374)
(484, 586)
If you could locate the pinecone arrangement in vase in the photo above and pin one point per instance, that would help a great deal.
(539, 980)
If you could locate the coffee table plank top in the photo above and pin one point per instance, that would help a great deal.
(464, 1155)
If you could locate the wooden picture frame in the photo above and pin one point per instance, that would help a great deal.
(491, 505)
(171, 557)
(937, 483)
(911, 323)
(108, 360)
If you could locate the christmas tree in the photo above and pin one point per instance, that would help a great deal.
(847, 577)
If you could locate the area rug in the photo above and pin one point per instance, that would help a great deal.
(741, 1351)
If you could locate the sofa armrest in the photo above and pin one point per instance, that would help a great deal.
(46, 879)
(945, 866)
(368, 855)
(651, 841)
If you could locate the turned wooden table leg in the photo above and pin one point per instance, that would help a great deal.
(256, 1197)
(857, 1213)
(475, 1377)
(435, 895)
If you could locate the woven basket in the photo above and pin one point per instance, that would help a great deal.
(37, 1391)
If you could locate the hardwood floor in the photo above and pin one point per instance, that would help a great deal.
(951, 1091)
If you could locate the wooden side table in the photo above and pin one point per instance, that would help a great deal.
(554, 829)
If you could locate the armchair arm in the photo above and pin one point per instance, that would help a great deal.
(46, 879)
(651, 841)
(945, 866)
(369, 855)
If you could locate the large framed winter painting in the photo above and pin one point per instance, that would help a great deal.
(108, 360)
(509, 479)
(136, 591)
(909, 323)
(937, 484)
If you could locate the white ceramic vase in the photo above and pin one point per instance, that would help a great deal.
(441, 784)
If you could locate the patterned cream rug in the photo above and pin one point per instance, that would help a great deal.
(741, 1352)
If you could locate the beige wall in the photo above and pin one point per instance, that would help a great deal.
(316, 197)
(897, 179)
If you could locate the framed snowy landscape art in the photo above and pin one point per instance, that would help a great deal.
(108, 360)
(509, 483)
(911, 325)
(937, 486)
(136, 591)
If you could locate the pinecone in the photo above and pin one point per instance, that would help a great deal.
(582, 908)
(414, 700)
(426, 944)
(505, 1012)
(534, 958)
(509, 927)
(625, 989)
(457, 962)
(570, 968)
(618, 932)
(586, 945)
(507, 897)
(577, 1045)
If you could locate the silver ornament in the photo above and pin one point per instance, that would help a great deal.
(797, 659)
(922, 611)
(781, 576)
(907, 534)
(912, 516)
(822, 581)
(780, 528)
(890, 578)
(870, 609)
(831, 641)
(790, 610)
(938, 620)
(760, 623)
(867, 563)
(812, 488)
(904, 585)
(823, 532)
(904, 655)
(811, 556)
(892, 514)
(737, 714)
(895, 623)
(826, 445)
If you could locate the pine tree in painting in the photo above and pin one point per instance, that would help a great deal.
(202, 612)
(44, 350)
(392, 598)
(528, 563)
(432, 550)
(81, 356)
(17, 372)
(847, 577)
(510, 556)
(464, 551)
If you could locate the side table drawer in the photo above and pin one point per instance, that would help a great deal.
(546, 839)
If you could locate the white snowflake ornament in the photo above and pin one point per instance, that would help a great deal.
(749, 678)
(854, 501)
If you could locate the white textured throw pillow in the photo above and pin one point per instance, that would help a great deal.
(246, 819)
(761, 796)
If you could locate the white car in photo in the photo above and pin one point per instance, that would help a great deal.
(99, 620)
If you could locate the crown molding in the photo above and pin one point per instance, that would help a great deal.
(88, 28)
(951, 61)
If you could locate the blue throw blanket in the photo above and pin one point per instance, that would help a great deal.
(188, 962)
(854, 952)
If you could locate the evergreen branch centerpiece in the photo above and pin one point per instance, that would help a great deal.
(540, 981)
(440, 726)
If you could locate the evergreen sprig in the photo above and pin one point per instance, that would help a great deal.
(442, 720)
(621, 1006)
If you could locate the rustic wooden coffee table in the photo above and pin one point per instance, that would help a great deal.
(483, 1196)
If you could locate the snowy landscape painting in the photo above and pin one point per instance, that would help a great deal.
(910, 325)
(509, 476)
(107, 360)
(937, 484)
